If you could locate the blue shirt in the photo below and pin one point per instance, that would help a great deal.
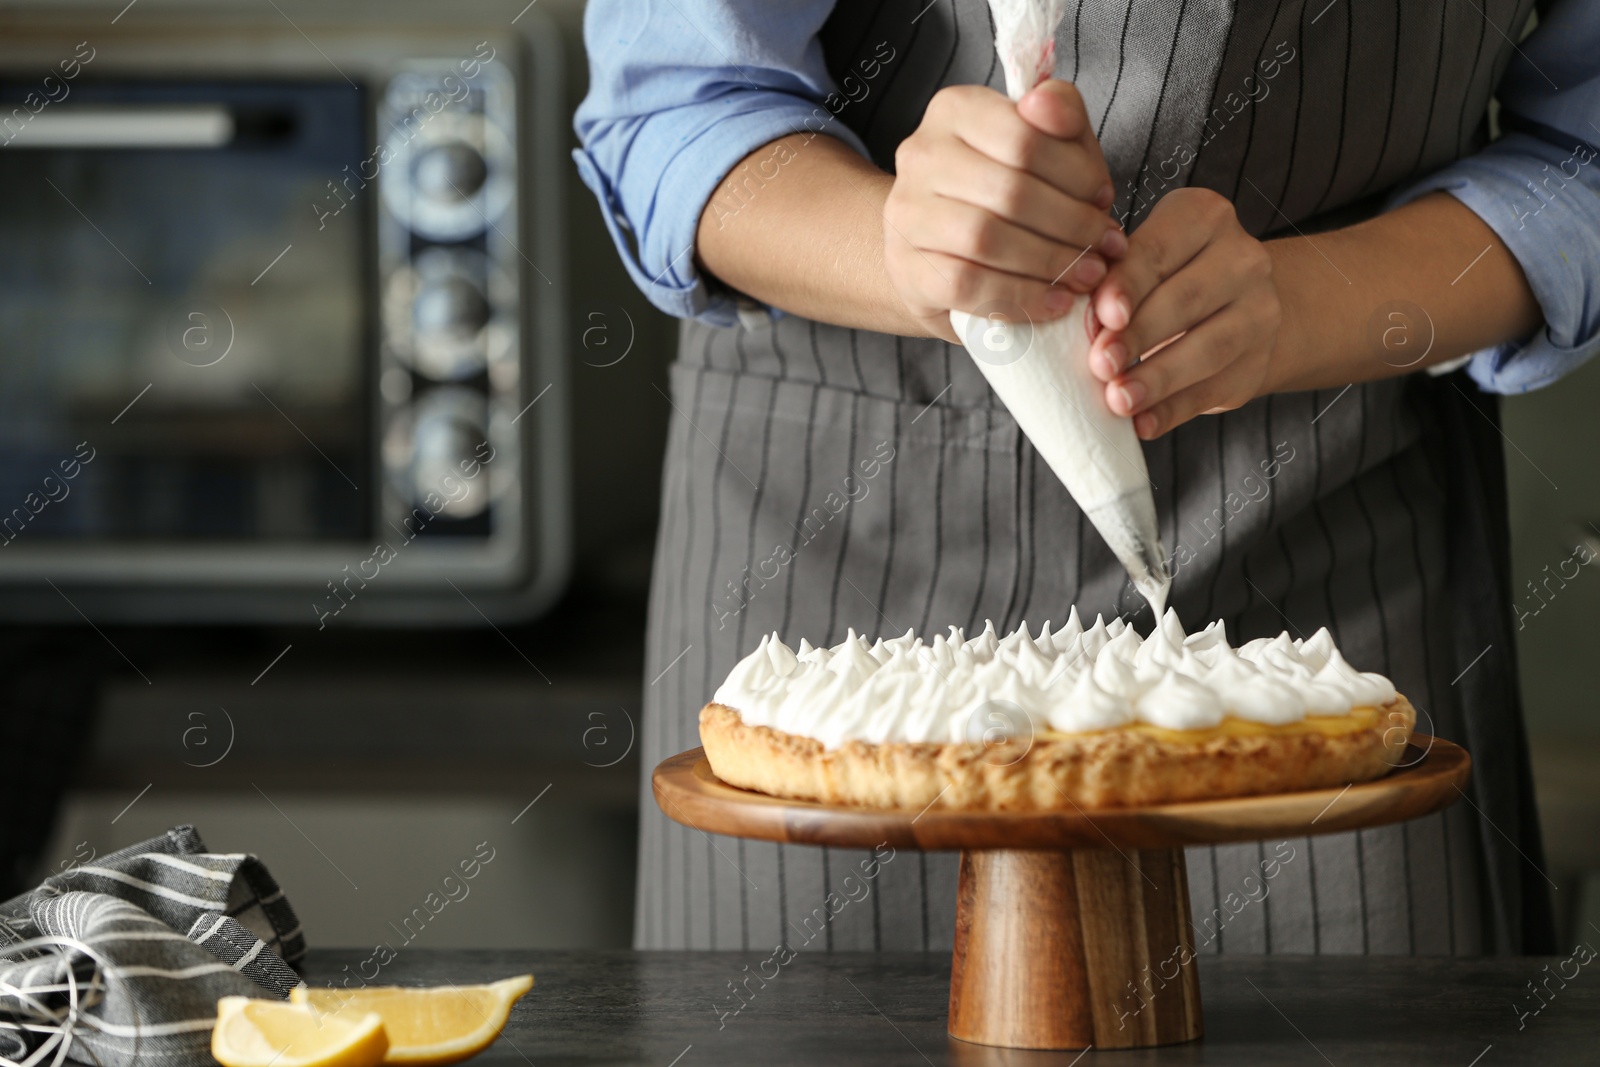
(681, 91)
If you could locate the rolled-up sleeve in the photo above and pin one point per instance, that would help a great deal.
(680, 91)
(1538, 189)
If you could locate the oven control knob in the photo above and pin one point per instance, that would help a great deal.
(450, 307)
(429, 445)
(443, 440)
(450, 172)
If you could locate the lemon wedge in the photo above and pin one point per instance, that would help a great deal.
(426, 1026)
(258, 1033)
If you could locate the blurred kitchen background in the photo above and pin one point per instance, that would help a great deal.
(185, 639)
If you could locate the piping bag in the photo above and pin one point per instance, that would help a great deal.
(1041, 373)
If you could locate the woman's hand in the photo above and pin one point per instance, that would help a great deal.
(1189, 318)
(995, 203)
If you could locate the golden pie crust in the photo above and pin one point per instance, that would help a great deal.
(1128, 766)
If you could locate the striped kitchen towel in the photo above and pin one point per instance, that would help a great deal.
(123, 958)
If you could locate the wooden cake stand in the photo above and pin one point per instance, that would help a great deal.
(1066, 920)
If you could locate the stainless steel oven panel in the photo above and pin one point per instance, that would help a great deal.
(513, 295)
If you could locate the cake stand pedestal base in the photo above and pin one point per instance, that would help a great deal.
(1068, 949)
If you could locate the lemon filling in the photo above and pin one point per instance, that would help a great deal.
(1357, 720)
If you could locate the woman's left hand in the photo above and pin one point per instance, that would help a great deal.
(1188, 319)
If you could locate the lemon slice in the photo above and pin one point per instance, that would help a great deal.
(270, 1033)
(427, 1026)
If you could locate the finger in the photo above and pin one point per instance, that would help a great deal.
(1199, 354)
(1193, 293)
(966, 174)
(951, 281)
(1165, 242)
(972, 233)
(1057, 108)
(989, 123)
(1221, 392)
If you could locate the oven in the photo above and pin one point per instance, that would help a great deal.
(281, 310)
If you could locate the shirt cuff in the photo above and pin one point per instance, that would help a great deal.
(663, 268)
(1537, 198)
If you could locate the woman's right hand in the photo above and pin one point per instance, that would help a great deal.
(996, 203)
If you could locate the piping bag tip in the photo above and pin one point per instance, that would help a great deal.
(1155, 586)
(1128, 524)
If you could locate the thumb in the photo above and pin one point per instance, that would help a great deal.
(1056, 108)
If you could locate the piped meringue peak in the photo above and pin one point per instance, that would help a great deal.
(1072, 680)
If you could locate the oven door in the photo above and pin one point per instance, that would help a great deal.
(177, 325)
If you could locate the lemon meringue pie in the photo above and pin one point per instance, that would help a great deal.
(1079, 717)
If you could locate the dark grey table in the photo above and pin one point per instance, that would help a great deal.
(662, 1009)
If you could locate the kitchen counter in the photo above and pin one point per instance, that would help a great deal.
(663, 1009)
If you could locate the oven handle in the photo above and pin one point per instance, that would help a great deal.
(128, 126)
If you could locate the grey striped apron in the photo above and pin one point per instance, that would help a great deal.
(819, 479)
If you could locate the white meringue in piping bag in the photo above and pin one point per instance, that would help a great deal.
(1041, 372)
